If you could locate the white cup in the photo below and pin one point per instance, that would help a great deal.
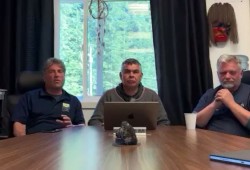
(190, 119)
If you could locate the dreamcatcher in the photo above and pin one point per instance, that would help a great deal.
(98, 9)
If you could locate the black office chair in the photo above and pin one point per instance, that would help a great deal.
(246, 77)
(26, 81)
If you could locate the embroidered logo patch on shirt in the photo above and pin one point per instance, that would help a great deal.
(65, 107)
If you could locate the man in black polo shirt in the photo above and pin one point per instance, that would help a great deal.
(48, 108)
(227, 107)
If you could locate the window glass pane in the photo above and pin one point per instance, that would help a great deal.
(70, 49)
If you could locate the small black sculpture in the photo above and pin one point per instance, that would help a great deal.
(125, 135)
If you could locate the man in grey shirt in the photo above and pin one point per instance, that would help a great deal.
(129, 90)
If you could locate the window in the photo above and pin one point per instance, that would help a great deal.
(93, 49)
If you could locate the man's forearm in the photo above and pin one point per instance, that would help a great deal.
(240, 113)
(19, 129)
(205, 115)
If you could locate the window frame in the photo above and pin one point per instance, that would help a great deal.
(86, 15)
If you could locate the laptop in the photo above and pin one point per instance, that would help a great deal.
(137, 114)
(241, 157)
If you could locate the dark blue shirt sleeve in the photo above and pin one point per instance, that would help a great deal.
(205, 100)
(78, 114)
(21, 111)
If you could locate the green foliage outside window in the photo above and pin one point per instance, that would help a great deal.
(128, 34)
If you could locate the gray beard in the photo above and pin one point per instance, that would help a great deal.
(227, 85)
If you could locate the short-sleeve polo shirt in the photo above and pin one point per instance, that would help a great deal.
(223, 120)
(39, 111)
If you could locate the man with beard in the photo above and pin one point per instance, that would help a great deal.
(48, 108)
(226, 108)
(129, 90)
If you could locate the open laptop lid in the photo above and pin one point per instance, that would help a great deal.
(241, 157)
(138, 114)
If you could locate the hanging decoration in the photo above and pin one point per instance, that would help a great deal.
(98, 9)
(222, 23)
(102, 9)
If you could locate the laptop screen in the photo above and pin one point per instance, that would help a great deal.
(138, 114)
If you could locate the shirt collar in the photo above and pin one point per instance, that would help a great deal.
(65, 95)
(126, 97)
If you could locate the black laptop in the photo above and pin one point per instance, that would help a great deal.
(241, 157)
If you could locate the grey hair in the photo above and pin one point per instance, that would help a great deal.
(130, 61)
(225, 58)
(52, 61)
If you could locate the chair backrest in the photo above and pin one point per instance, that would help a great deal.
(246, 77)
(3, 112)
(29, 80)
(26, 81)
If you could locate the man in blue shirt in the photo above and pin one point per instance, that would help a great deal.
(48, 108)
(226, 108)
